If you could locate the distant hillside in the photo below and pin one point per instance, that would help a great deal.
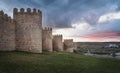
(96, 46)
(22, 62)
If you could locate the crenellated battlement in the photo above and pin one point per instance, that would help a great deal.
(5, 17)
(23, 36)
(7, 31)
(1, 13)
(57, 42)
(10, 20)
(28, 19)
(58, 35)
(47, 29)
(26, 11)
(47, 39)
(68, 40)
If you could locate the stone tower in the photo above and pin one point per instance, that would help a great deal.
(28, 30)
(7, 33)
(47, 39)
(68, 45)
(57, 43)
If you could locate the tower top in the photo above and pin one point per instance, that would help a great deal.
(47, 29)
(1, 12)
(27, 11)
(58, 35)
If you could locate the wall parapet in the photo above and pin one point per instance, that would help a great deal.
(27, 11)
(47, 29)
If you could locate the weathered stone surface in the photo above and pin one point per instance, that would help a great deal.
(68, 45)
(47, 39)
(24, 33)
(28, 30)
(7, 33)
(57, 43)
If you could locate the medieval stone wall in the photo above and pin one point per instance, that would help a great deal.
(47, 39)
(57, 43)
(28, 30)
(25, 33)
(7, 33)
(68, 45)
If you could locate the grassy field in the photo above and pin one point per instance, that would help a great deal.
(22, 62)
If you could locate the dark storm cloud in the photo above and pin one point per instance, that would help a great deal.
(63, 13)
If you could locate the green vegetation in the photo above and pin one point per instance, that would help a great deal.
(22, 62)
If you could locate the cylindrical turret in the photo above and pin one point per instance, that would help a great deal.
(68, 45)
(47, 39)
(57, 43)
(7, 33)
(28, 31)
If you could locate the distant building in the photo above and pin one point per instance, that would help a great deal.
(112, 46)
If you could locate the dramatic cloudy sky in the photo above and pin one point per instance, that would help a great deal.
(82, 20)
